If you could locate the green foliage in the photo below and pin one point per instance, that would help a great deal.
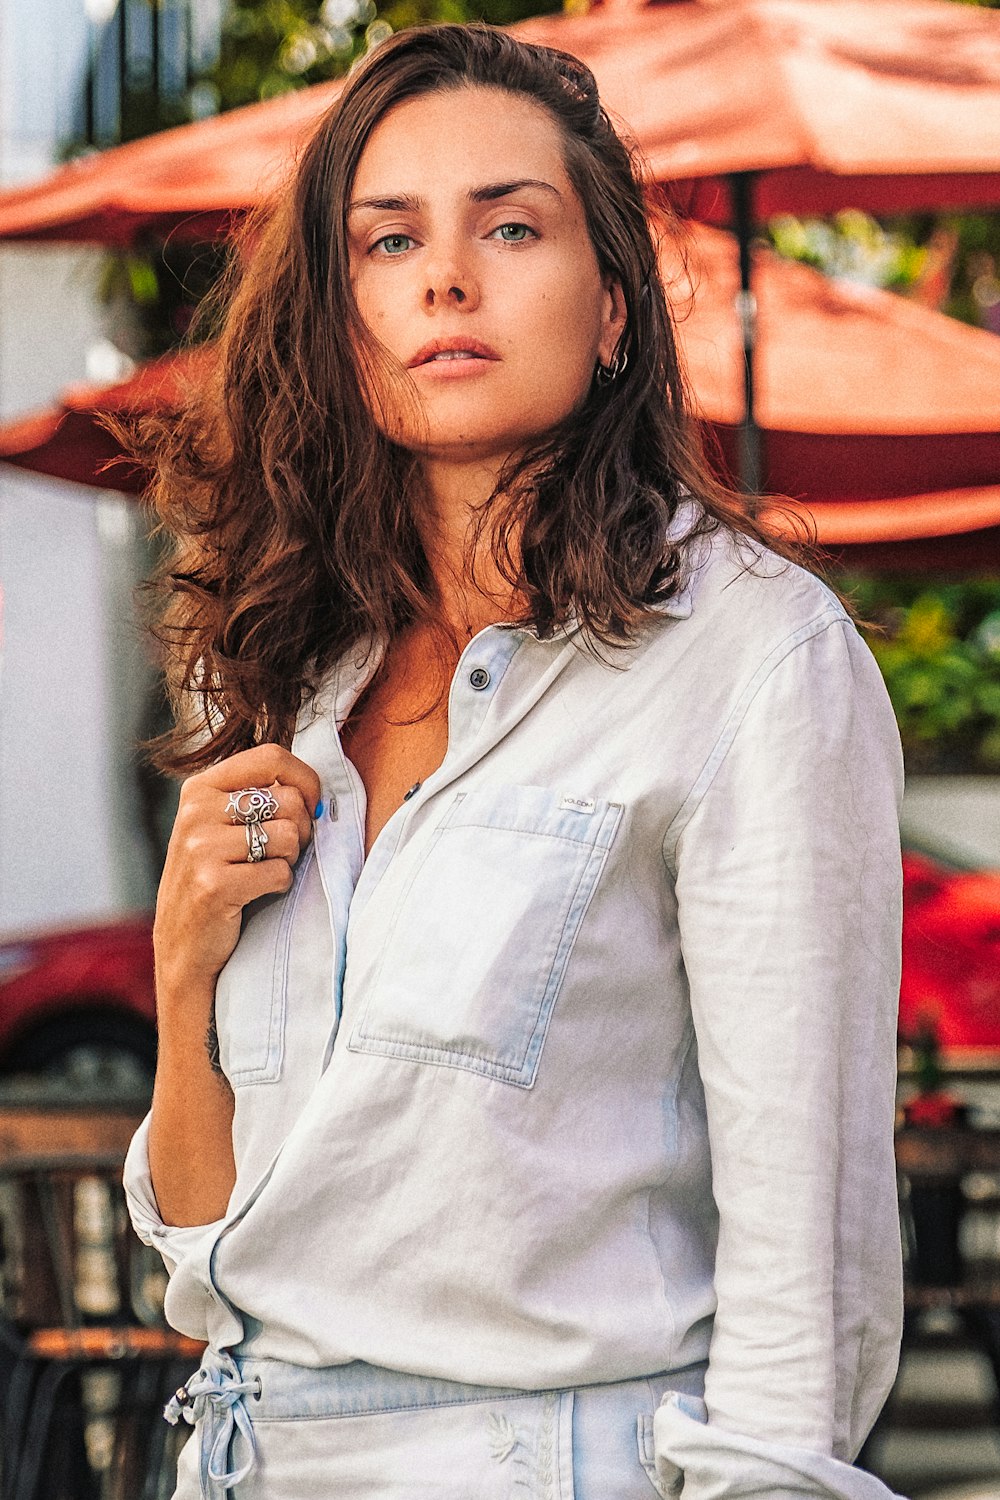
(938, 646)
(974, 291)
(851, 245)
(152, 292)
(928, 1068)
(948, 261)
(269, 47)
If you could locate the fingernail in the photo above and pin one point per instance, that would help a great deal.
(319, 809)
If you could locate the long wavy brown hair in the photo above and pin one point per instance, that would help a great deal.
(289, 514)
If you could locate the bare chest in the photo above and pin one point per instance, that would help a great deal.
(397, 736)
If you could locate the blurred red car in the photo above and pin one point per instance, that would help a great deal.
(951, 953)
(77, 1006)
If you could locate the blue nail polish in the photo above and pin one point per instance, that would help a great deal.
(319, 810)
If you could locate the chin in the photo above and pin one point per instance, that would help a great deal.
(485, 440)
(482, 448)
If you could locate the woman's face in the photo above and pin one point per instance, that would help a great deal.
(472, 265)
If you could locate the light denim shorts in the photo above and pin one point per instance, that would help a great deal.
(267, 1430)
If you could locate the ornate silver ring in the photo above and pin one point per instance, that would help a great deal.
(254, 804)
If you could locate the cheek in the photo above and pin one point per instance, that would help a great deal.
(372, 311)
(378, 305)
(568, 337)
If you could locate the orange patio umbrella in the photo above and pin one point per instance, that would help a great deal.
(746, 108)
(886, 105)
(67, 441)
(863, 394)
(883, 417)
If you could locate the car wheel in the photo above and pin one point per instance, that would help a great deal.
(88, 1055)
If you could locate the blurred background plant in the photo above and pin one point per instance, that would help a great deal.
(151, 293)
(945, 261)
(938, 646)
(269, 47)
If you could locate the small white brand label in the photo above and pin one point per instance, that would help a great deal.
(578, 804)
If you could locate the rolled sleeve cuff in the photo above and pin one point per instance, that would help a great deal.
(172, 1241)
(713, 1464)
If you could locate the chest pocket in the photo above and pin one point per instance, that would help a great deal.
(251, 991)
(477, 947)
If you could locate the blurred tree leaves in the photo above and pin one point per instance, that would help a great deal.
(151, 294)
(938, 647)
(269, 47)
(945, 261)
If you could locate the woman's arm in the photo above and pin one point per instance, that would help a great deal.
(789, 893)
(190, 1136)
(207, 881)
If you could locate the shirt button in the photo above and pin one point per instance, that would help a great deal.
(479, 678)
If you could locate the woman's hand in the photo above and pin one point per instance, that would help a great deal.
(207, 879)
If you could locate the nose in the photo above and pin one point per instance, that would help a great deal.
(453, 294)
(450, 282)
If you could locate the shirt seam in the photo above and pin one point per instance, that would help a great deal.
(720, 750)
(672, 1108)
(388, 1411)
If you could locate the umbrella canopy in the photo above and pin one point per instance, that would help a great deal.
(883, 417)
(887, 105)
(863, 394)
(67, 441)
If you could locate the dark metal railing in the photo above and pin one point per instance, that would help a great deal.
(143, 59)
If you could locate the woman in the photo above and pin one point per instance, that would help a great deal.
(550, 1152)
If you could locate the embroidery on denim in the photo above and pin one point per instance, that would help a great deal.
(546, 1450)
(502, 1436)
(533, 1466)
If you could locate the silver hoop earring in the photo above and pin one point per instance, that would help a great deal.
(607, 373)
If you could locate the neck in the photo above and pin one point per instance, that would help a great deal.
(471, 593)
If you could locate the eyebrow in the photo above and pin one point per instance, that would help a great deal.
(407, 203)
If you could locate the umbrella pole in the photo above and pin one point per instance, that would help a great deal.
(741, 191)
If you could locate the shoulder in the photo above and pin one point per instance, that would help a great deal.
(739, 586)
(739, 608)
(752, 635)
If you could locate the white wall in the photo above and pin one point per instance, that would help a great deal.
(42, 62)
(71, 671)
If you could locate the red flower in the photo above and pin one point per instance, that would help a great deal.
(935, 1109)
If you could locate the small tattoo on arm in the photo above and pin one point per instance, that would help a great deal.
(212, 1046)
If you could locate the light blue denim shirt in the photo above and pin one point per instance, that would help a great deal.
(587, 1071)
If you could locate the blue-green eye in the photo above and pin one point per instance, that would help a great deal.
(393, 244)
(513, 234)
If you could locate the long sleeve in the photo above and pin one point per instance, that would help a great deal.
(172, 1241)
(787, 864)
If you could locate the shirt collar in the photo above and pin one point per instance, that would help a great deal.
(348, 679)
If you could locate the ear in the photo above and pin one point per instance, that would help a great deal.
(612, 320)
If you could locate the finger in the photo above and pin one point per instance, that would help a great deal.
(247, 882)
(281, 836)
(262, 766)
(290, 805)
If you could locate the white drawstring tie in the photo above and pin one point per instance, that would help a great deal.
(215, 1397)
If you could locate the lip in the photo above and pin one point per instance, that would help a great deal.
(475, 347)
